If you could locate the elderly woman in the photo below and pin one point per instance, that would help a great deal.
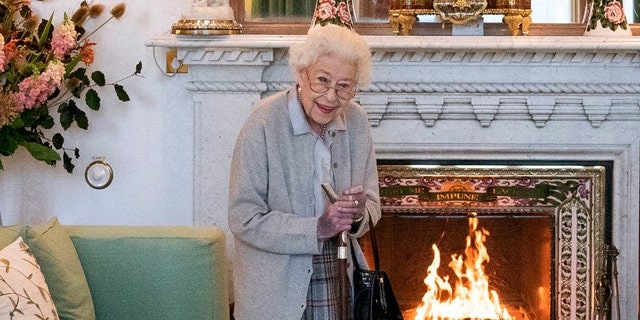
(285, 228)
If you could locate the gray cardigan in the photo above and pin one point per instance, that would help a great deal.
(271, 205)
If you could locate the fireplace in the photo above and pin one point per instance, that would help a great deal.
(561, 101)
(545, 232)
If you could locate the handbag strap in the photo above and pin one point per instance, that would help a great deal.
(374, 247)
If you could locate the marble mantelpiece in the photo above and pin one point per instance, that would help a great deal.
(601, 71)
(445, 98)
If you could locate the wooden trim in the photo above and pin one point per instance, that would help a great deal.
(419, 29)
(428, 29)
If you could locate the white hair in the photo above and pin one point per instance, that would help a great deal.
(333, 39)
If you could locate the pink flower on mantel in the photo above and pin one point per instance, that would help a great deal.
(36, 89)
(325, 10)
(614, 13)
(63, 39)
(343, 13)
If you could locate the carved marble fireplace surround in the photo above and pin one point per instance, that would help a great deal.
(535, 99)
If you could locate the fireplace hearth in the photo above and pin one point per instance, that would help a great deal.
(546, 227)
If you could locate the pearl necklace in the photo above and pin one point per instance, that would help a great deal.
(299, 96)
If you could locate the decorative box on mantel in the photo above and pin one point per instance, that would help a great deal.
(403, 13)
(536, 99)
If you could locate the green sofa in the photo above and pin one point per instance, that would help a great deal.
(130, 272)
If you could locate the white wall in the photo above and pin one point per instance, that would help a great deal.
(147, 141)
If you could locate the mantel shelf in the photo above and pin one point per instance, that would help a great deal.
(580, 43)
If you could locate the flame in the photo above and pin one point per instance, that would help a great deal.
(471, 297)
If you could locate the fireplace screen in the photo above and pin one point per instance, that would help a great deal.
(493, 242)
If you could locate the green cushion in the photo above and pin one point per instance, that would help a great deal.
(154, 272)
(58, 259)
(9, 234)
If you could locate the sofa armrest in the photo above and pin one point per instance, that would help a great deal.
(144, 272)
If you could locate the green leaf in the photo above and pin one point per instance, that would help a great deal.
(72, 65)
(81, 119)
(98, 78)
(17, 123)
(29, 117)
(47, 122)
(122, 95)
(69, 112)
(8, 142)
(1, 168)
(66, 163)
(40, 152)
(58, 140)
(66, 116)
(9, 148)
(81, 75)
(82, 81)
(45, 33)
(138, 67)
(63, 107)
(92, 99)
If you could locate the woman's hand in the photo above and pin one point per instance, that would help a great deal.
(340, 215)
(357, 201)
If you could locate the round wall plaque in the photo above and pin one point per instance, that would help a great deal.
(98, 174)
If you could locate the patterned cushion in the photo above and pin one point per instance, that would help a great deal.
(25, 294)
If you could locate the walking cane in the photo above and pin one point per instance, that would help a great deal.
(343, 279)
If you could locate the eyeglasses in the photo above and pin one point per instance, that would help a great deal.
(344, 90)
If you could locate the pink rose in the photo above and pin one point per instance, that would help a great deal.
(614, 13)
(343, 13)
(325, 10)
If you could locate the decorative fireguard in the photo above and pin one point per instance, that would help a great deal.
(573, 195)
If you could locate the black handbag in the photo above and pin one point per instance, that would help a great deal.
(373, 296)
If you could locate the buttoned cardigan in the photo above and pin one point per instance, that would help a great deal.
(271, 204)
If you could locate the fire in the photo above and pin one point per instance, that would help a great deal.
(471, 297)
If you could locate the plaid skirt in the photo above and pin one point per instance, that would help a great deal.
(324, 289)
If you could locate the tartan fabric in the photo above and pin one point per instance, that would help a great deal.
(322, 297)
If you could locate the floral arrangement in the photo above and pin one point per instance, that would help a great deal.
(43, 68)
(608, 12)
(333, 12)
